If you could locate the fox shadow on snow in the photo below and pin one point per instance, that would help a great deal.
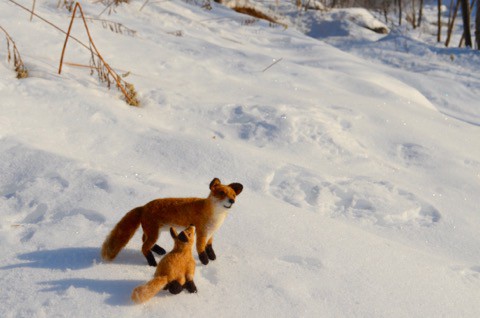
(73, 258)
(81, 258)
(118, 290)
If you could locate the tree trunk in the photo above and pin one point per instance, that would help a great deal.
(477, 25)
(451, 24)
(420, 13)
(466, 23)
(439, 22)
(414, 15)
(399, 12)
(385, 11)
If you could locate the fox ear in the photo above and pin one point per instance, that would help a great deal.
(183, 237)
(237, 187)
(173, 233)
(214, 182)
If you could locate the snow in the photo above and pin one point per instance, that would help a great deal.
(358, 153)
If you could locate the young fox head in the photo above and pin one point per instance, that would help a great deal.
(184, 239)
(225, 194)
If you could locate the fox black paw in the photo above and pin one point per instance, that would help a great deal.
(150, 259)
(158, 249)
(174, 287)
(190, 286)
(203, 257)
(210, 253)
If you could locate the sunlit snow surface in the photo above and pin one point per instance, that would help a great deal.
(360, 161)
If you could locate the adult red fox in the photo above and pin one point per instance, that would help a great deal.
(207, 215)
(175, 270)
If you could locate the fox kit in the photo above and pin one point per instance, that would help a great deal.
(174, 272)
(207, 215)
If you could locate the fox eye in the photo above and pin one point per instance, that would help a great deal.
(222, 193)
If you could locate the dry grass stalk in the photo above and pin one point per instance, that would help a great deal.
(250, 21)
(49, 23)
(275, 61)
(20, 68)
(113, 26)
(67, 4)
(103, 70)
(256, 13)
(111, 4)
(124, 74)
(176, 33)
(207, 5)
(33, 9)
(143, 5)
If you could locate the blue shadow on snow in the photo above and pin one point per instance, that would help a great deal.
(119, 291)
(73, 258)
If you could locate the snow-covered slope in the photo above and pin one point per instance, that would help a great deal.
(361, 169)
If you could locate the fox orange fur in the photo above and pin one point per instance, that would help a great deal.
(206, 214)
(174, 272)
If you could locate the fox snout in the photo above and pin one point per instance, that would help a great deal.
(228, 204)
(191, 229)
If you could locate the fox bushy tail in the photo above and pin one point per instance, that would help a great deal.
(145, 292)
(121, 234)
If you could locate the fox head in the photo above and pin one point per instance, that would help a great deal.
(225, 194)
(185, 238)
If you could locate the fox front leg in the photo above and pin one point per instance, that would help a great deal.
(190, 285)
(201, 243)
(174, 287)
(158, 249)
(209, 249)
(148, 243)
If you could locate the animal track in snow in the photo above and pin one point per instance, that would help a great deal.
(87, 214)
(296, 186)
(308, 262)
(284, 125)
(36, 186)
(37, 215)
(413, 154)
(361, 199)
(471, 274)
(261, 124)
(382, 203)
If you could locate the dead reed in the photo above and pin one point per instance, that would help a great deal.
(13, 54)
(104, 72)
(113, 26)
(256, 13)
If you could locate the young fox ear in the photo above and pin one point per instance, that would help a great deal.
(237, 187)
(173, 233)
(183, 237)
(214, 182)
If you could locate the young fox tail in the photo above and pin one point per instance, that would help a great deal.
(121, 234)
(144, 292)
